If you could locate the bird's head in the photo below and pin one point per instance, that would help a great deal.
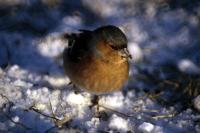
(114, 38)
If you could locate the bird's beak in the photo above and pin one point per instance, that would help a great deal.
(125, 53)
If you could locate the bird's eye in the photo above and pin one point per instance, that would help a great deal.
(114, 47)
(118, 47)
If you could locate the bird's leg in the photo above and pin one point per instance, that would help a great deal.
(74, 87)
(95, 102)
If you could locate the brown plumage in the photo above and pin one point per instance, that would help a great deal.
(97, 61)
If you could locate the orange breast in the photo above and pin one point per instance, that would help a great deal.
(98, 74)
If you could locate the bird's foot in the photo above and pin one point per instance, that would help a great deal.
(95, 104)
(94, 101)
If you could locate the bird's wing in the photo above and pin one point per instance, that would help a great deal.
(79, 45)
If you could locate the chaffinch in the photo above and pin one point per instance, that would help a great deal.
(98, 60)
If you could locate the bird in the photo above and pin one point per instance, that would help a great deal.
(97, 60)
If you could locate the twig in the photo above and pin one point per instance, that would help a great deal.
(52, 112)
(163, 116)
(61, 122)
(9, 117)
(57, 121)
(120, 113)
(39, 112)
(3, 96)
(171, 83)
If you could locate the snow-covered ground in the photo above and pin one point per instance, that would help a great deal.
(161, 95)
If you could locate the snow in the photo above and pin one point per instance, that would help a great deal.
(118, 123)
(135, 51)
(188, 66)
(163, 39)
(15, 119)
(114, 100)
(196, 102)
(76, 99)
(146, 127)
